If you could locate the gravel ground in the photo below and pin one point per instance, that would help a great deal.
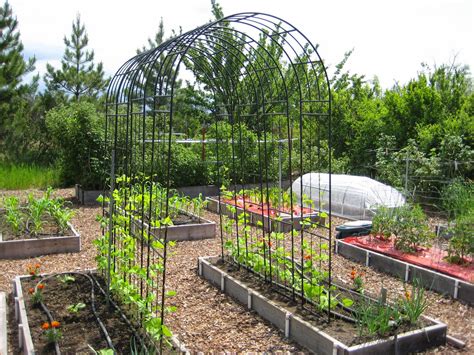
(208, 321)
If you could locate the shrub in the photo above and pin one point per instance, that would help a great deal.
(458, 198)
(77, 131)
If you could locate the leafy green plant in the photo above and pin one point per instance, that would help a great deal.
(101, 351)
(414, 303)
(411, 228)
(382, 223)
(13, 214)
(37, 297)
(131, 199)
(60, 214)
(51, 331)
(461, 244)
(75, 308)
(375, 317)
(36, 209)
(65, 279)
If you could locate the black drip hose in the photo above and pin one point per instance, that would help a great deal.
(101, 324)
(122, 315)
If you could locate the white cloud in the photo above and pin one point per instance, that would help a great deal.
(391, 38)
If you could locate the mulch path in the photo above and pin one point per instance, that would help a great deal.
(208, 321)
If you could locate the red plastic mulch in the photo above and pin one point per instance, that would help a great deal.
(267, 211)
(431, 258)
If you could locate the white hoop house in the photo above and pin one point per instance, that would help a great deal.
(354, 197)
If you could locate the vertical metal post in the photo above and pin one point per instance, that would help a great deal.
(111, 210)
(406, 175)
(279, 169)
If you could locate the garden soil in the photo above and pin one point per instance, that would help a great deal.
(209, 321)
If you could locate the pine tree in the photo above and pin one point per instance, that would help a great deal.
(13, 68)
(159, 39)
(78, 77)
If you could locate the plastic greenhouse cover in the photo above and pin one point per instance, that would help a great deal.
(354, 197)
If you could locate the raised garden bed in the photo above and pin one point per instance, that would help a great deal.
(186, 226)
(272, 219)
(85, 196)
(317, 338)
(91, 325)
(358, 249)
(39, 227)
(28, 247)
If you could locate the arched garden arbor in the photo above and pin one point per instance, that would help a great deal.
(265, 112)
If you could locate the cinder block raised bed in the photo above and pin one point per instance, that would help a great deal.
(309, 336)
(284, 224)
(430, 279)
(27, 248)
(193, 231)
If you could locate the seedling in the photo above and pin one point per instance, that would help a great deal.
(75, 308)
(65, 279)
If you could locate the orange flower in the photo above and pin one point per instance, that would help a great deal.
(37, 266)
(55, 324)
(407, 295)
(32, 273)
(31, 291)
(40, 286)
(353, 273)
(307, 257)
(45, 326)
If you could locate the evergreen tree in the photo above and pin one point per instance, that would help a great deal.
(159, 39)
(78, 77)
(13, 68)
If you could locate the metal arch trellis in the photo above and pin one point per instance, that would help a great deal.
(266, 79)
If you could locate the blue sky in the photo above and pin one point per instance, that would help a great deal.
(390, 38)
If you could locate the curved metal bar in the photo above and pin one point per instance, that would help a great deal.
(242, 70)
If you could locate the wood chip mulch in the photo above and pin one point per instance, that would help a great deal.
(209, 321)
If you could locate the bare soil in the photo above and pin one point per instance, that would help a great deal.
(209, 321)
(49, 229)
(80, 330)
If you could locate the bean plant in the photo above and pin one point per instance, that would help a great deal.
(136, 284)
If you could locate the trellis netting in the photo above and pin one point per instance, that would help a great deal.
(355, 197)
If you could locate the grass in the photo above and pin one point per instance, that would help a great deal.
(19, 177)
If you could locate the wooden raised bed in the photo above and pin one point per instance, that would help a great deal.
(430, 279)
(283, 224)
(309, 336)
(27, 248)
(199, 229)
(25, 339)
(87, 197)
